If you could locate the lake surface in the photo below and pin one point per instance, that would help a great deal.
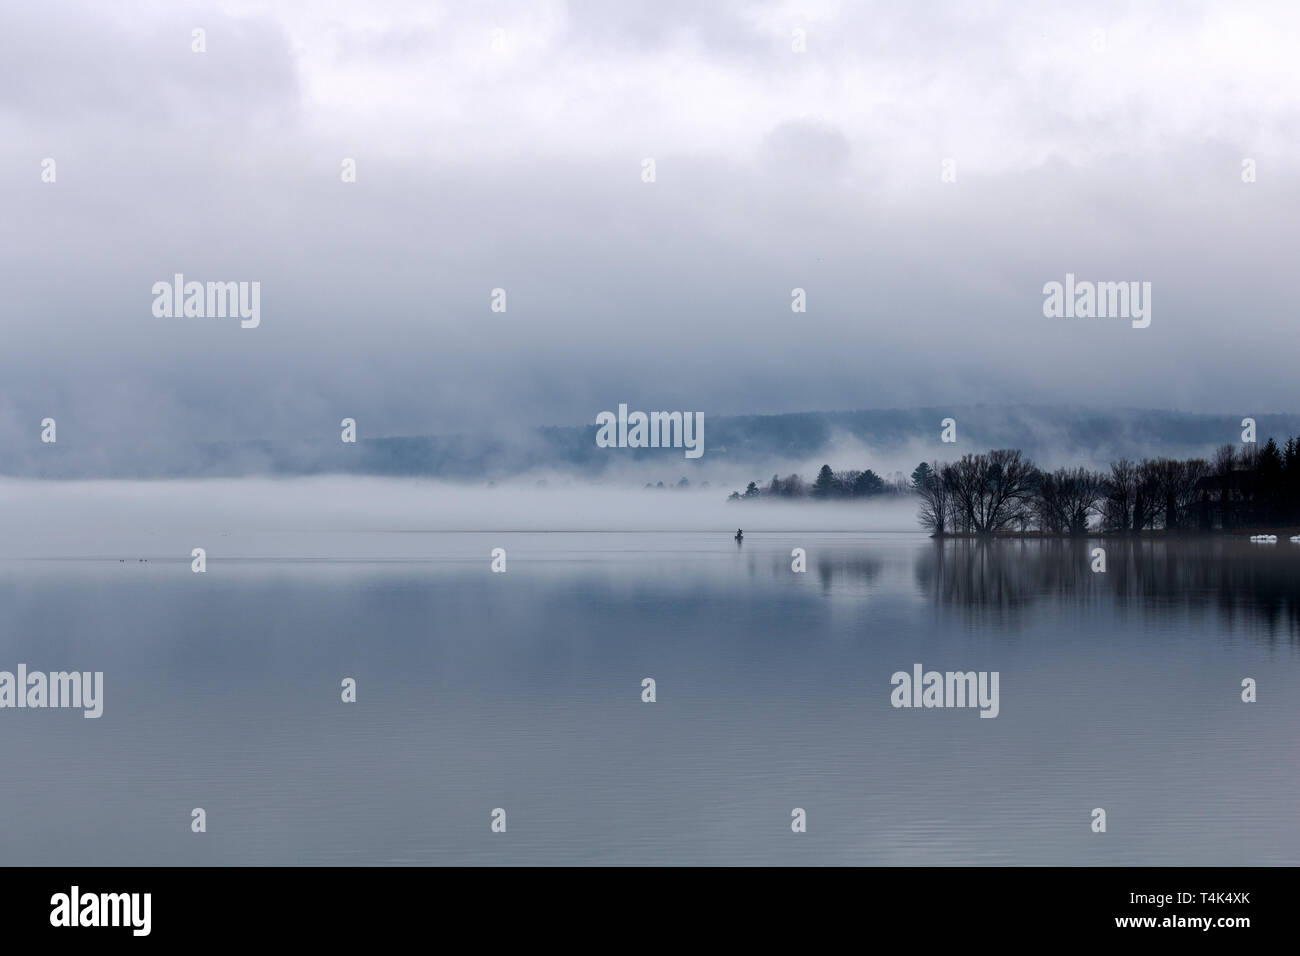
(522, 691)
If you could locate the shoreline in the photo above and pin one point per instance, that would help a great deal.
(1148, 534)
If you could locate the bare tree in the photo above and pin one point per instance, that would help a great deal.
(959, 520)
(935, 500)
(1194, 469)
(1067, 499)
(1173, 490)
(962, 479)
(1121, 489)
(1087, 490)
(1145, 494)
(1049, 508)
(1167, 473)
(1009, 482)
(992, 491)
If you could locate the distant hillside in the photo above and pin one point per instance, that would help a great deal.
(755, 442)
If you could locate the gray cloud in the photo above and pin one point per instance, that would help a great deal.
(522, 170)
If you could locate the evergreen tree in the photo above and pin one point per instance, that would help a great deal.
(867, 483)
(824, 486)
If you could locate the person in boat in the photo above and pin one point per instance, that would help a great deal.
(739, 534)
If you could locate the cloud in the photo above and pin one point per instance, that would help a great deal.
(520, 168)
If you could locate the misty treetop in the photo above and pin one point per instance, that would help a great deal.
(1003, 491)
(828, 485)
(682, 482)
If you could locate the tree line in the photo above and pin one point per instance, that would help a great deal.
(1003, 491)
(829, 484)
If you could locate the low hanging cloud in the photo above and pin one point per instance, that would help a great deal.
(502, 146)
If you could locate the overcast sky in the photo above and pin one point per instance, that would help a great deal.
(1115, 155)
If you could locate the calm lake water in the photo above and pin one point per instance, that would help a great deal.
(522, 691)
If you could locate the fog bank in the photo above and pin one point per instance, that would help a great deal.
(167, 519)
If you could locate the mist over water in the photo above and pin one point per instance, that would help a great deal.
(169, 518)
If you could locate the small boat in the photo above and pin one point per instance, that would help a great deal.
(740, 535)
